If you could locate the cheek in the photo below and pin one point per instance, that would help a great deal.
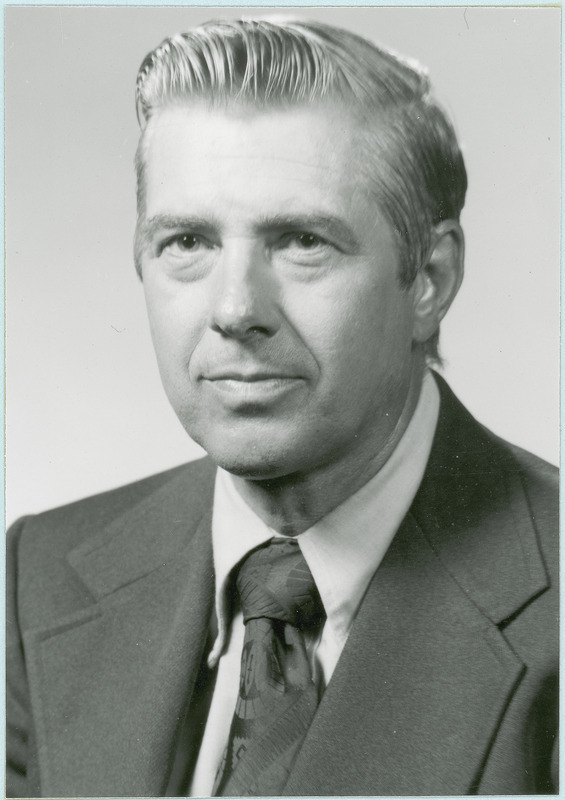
(175, 319)
(362, 323)
(160, 325)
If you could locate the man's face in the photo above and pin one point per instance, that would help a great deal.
(283, 336)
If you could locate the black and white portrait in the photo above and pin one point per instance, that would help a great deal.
(282, 400)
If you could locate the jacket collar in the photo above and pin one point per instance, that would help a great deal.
(474, 513)
(148, 536)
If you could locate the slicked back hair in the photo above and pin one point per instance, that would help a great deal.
(411, 153)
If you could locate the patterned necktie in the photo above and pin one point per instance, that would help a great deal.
(277, 696)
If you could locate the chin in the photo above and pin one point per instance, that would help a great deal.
(257, 449)
(251, 467)
(257, 458)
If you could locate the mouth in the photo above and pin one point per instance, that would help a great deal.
(251, 387)
(249, 377)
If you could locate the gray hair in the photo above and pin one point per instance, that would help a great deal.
(411, 151)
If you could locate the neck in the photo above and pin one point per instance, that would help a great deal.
(293, 503)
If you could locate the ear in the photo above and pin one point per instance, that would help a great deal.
(438, 280)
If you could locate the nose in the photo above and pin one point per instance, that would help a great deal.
(244, 301)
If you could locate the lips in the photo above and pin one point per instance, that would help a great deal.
(247, 372)
(251, 377)
(238, 388)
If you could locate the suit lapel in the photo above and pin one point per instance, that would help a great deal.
(426, 674)
(107, 725)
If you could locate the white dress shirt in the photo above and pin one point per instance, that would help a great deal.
(342, 550)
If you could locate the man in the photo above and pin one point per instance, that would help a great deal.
(356, 592)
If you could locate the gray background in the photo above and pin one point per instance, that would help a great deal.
(85, 409)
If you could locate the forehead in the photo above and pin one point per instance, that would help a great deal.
(330, 126)
(193, 147)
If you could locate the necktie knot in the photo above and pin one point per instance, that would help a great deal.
(275, 582)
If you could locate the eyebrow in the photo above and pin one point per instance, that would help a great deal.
(169, 222)
(322, 223)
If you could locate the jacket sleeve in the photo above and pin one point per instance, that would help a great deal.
(21, 765)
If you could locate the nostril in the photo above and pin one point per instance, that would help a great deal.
(242, 332)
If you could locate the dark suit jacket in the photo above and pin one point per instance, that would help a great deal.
(447, 684)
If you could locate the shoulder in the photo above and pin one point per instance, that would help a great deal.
(539, 475)
(491, 478)
(60, 529)
(540, 482)
(463, 441)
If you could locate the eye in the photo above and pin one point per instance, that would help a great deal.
(305, 241)
(303, 248)
(183, 244)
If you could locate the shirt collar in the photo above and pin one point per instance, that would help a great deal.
(343, 549)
